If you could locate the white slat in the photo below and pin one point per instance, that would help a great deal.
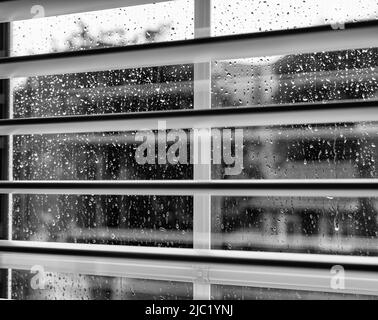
(196, 52)
(22, 9)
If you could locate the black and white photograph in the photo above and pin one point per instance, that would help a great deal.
(192, 154)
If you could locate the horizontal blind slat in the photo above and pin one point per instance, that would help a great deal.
(306, 40)
(310, 188)
(193, 255)
(22, 9)
(358, 282)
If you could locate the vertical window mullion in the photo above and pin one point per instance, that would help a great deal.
(202, 169)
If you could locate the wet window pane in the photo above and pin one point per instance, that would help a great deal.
(321, 225)
(174, 20)
(97, 156)
(320, 151)
(3, 283)
(164, 21)
(243, 16)
(118, 91)
(163, 221)
(225, 292)
(70, 286)
(301, 78)
(311, 224)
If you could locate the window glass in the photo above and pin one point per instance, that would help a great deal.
(320, 225)
(173, 20)
(349, 75)
(300, 78)
(319, 151)
(296, 224)
(102, 156)
(163, 21)
(243, 16)
(71, 286)
(226, 292)
(3, 283)
(118, 91)
(163, 221)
